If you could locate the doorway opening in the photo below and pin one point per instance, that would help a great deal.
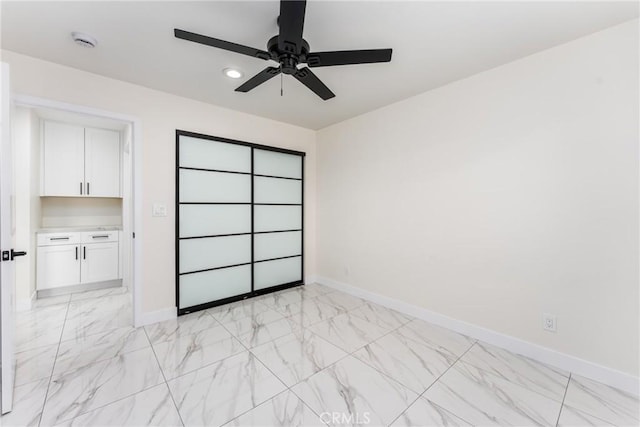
(78, 286)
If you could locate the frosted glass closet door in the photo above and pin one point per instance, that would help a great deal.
(214, 220)
(277, 187)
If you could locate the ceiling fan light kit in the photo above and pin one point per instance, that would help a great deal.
(290, 50)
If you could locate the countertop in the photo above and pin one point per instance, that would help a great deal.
(76, 229)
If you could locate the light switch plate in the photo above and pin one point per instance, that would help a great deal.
(159, 209)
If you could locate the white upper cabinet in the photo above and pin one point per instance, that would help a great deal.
(63, 160)
(102, 162)
(80, 161)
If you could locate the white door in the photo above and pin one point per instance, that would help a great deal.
(102, 163)
(63, 154)
(58, 265)
(7, 281)
(99, 262)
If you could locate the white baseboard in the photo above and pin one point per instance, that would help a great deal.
(603, 374)
(156, 316)
(25, 304)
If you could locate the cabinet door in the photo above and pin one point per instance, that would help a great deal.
(102, 163)
(63, 160)
(99, 262)
(58, 266)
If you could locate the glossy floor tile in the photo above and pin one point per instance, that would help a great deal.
(238, 310)
(295, 357)
(435, 336)
(190, 352)
(571, 417)
(84, 350)
(151, 407)
(251, 323)
(341, 300)
(309, 311)
(262, 333)
(482, 398)
(28, 400)
(359, 393)
(284, 410)
(39, 327)
(533, 375)
(603, 402)
(220, 392)
(411, 363)
(99, 293)
(46, 302)
(169, 330)
(426, 413)
(73, 393)
(348, 332)
(380, 315)
(35, 364)
(305, 356)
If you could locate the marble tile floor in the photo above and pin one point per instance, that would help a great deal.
(308, 356)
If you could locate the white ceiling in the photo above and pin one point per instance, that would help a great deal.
(433, 43)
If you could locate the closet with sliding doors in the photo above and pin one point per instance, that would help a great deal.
(239, 220)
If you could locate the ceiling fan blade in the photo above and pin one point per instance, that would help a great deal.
(258, 79)
(291, 22)
(310, 80)
(221, 44)
(348, 57)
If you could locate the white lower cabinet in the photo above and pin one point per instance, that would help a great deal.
(99, 262)
(66, 259)
(58, 266)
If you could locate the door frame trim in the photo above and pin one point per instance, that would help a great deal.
(135, 273)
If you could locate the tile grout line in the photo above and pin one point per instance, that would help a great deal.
(435, 381)
(563, 398)
(166, 383)
(46, 395)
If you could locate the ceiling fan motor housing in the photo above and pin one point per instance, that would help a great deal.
(290, 50)
(289, 58)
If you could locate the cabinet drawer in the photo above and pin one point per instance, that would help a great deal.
(48, 239)
(100, 236)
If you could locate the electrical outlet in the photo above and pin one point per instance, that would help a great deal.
(549, 322)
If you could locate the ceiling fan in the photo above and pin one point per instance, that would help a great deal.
(289, 49)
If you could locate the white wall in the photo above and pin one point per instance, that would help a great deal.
(499, 197)
(26, 151)
(160, 115)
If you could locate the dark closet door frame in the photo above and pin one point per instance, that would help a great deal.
(253, 293)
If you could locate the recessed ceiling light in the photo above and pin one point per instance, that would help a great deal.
(232, 73)
(84, 40)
